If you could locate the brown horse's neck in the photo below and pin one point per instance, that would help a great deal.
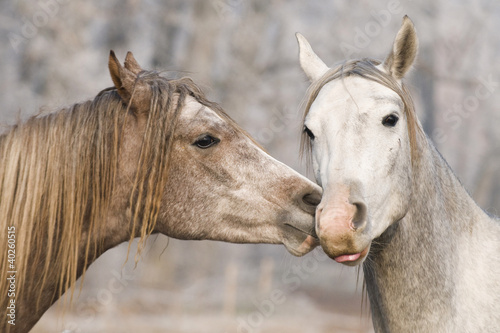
(29, 312)
(410, 274)
(88, 189)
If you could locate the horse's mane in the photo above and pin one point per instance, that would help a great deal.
(367, 69)
(57, 174)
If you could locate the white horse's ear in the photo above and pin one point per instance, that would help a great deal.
(404, 50)
(312, 65)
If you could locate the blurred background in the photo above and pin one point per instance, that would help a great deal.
(244, 54)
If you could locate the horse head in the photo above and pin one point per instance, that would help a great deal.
(361, 128)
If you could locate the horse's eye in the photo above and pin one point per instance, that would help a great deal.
(309, 133)
(206, 141)
(390, 120)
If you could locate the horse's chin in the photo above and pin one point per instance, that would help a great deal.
(307, 245)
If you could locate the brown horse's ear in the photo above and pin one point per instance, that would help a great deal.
(114, 69)
(404, 50)
(130, 89)
(131, 64)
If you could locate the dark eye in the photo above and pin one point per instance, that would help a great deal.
(390, 120)
(206, 141)
(309, 133)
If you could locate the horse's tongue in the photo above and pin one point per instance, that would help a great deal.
(348, 257)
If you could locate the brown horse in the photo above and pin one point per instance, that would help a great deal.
(149, 155)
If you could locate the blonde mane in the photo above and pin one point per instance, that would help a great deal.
(367, 69)
(57, 174)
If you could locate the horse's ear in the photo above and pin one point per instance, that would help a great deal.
(404, 50)
(131, 64)
(311, 64)
(122, 77)
(126, 83)
(115, 69)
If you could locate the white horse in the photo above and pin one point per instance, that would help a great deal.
(430, 254)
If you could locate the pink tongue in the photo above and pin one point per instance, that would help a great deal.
(348, 257)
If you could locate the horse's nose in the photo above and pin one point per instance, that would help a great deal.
(343, 213)
(310, 199)
(340, 222)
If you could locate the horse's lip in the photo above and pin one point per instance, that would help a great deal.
(311, 232)
(352, 257)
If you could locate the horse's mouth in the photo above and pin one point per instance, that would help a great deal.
(307, 242)
(352, 259)
(307, 245)
(311, 232)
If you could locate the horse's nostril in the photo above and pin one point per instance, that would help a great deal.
(312, 199)
(359, 218)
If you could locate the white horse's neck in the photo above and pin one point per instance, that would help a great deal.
(422, 273)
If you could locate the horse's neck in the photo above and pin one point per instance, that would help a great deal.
(115, 230)
(30, 312)
(419, 264)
